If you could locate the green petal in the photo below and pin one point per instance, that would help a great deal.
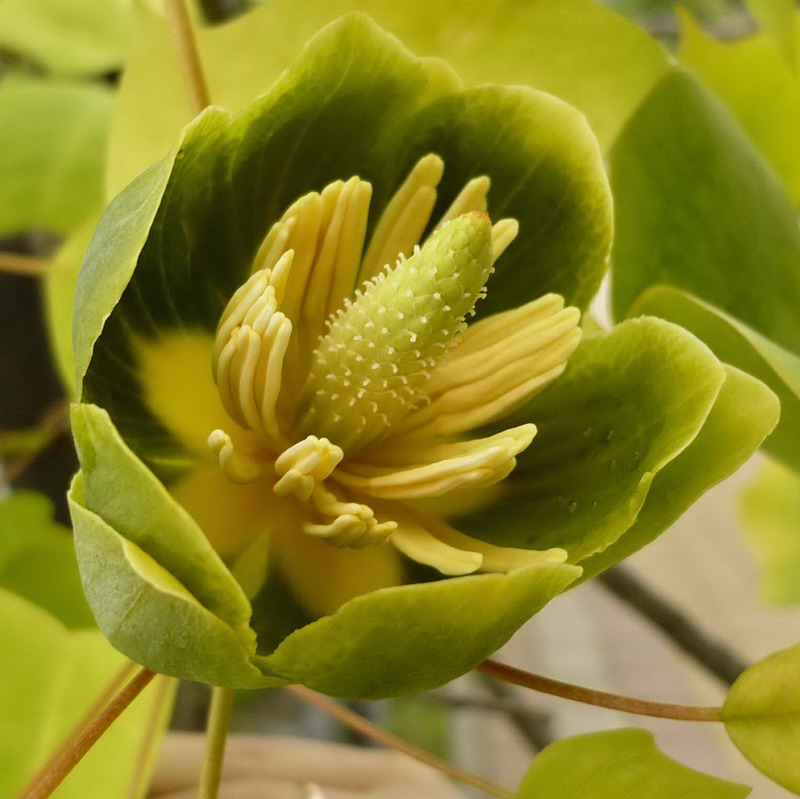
(759, 88)
(53, 140)
(740, 345)
(51, 676)
(147, 516)
(720, 220)
(506, 42)
(87, 37)
(743, 415)
(617, 764)
(762, 716)
(627, 405)
(356, 102)
(149, 615)
(413, 638)
(771, 514)
(37, 558)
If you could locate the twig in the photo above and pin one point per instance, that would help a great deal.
(380, 735)
(143, 756)
(219, 723)
(180, 24)
(43, 785)
(16, 264)
(91, 714)
(588, 696)
(714, 656)
(54, 422)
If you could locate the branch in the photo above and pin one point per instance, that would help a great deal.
(180, 24)
(54, 423)
(219, 723)
(44, 784)
(380, 735)
(714, 656)
(16, 264)
(588, 696)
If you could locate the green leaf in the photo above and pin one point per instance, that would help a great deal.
(628, 404)
(69, 37)
(60, 281)
(415, 637)
(37, 558)
(618, 764)
(778, 19)
(737, 344)
(530, 43)
(759, 88)
(376, 110)
(53, 140)
(51, 676)
(697, 208)
(771, 515)
(744, 413)
(762, 716)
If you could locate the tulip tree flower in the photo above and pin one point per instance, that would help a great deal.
(338, 421)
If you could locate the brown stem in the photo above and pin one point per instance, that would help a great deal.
(380, 735)
(45, 783)
(54, 422)
(22, 264)
(151, 728)
(589, 696)
(180, 24)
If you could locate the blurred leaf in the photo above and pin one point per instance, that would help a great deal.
(737, 344)
(618, 764)
(53, 141)
(778, 19)
(69, 37)
(51, 676)
(37, 558)
(760, 89)
(762, 716)
(59, 284)
(771, 514)
(697, 208)
(577, 50)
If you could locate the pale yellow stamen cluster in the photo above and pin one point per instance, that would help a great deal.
(348, 369)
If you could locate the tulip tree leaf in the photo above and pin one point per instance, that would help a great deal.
(758, 86)
(69, 37)
(616, 764)
(762, 716)
(744, 413)
(421, 636)
(53, 140)
(777, 18)
(59, 294)
(737, 344)
(771, 516)
(627, 405)
(51, 676)
(727, 232)
(539, 43)
(37, 558)
(376, 109)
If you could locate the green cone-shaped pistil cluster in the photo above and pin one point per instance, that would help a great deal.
(371, 367)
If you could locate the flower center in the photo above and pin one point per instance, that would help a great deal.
(314, 371)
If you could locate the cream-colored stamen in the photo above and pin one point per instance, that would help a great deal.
(441, 469)
(471, 198)
(304, 465)
(346, 524)
(405, 217)
(238, 467)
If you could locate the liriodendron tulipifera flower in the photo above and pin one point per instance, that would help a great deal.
(337, 422)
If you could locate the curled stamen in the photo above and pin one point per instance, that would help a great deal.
(238, 468)
(351, 523)
(304, 465)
